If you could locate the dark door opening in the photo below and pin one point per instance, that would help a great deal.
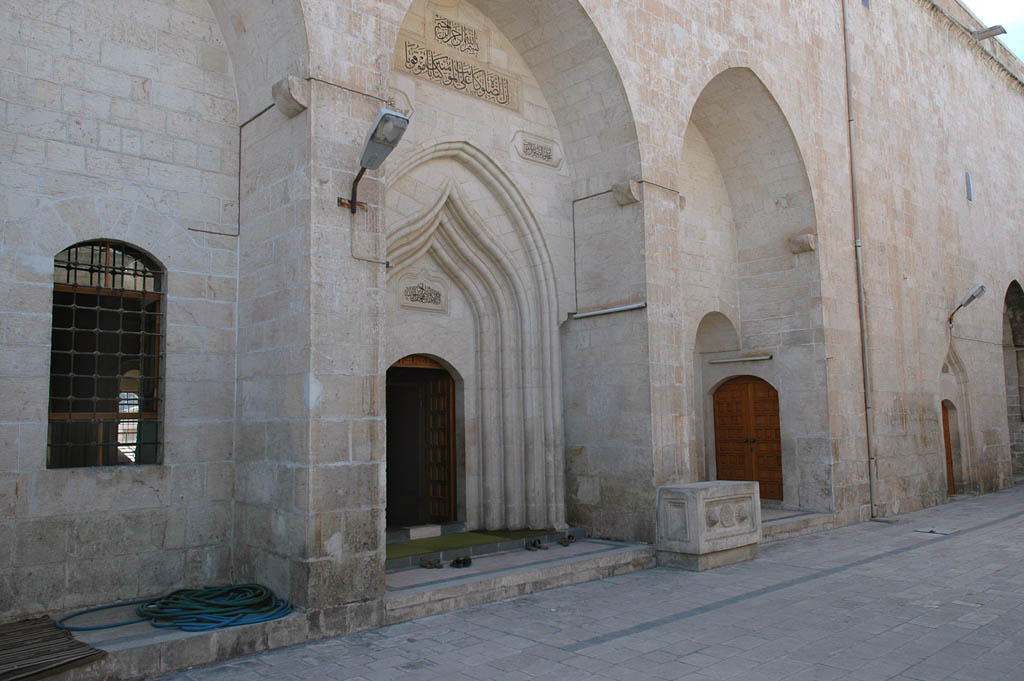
(950, 482)
(748, 445)
(420, 443)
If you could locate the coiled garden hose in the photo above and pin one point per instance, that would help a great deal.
(211, 607)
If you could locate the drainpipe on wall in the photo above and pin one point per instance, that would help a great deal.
(861, 305)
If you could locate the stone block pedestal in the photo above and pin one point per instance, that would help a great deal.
(706, 525)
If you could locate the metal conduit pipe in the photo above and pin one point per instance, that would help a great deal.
(609, 310)
(861, 305)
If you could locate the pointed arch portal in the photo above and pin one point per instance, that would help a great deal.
(506, 336)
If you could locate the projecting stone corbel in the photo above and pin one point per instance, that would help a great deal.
(803, 243)
(291, 95)
(629, 192)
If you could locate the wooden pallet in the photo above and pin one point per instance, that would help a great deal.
(36, 647)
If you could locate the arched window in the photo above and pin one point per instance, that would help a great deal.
(106, 357)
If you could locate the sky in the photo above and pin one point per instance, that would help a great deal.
(1009, 13)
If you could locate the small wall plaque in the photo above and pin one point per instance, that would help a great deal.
(537, 149)
(423, 290)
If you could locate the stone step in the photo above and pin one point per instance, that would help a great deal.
(446, 556)
(419, 592)
(794, 525)
(401, 534)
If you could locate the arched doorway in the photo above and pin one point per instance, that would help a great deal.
(756, 265)
(747, 439)
(951, 443)
(1013, 365)
(421, 469)
(478, 276)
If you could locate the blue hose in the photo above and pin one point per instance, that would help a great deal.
(211, 607)
(61, 625)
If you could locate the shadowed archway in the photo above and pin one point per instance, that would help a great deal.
(750, 234)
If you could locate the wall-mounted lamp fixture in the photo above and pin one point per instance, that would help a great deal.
(986, 33)
(977, 292)
(384, 136)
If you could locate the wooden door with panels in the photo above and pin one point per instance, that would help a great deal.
(950, 482)
(747, 438)
(420, 443)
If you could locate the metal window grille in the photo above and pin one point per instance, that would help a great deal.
(106, 357)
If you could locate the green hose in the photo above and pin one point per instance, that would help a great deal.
(203, 609)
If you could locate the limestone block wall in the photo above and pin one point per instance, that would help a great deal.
(607, 403)
(669, 63)
(608, 406)
(121, 120)
(344, 562)
(814, 108)
(272, 437)
(1013, 368)
(267, 41)
(119, 123)
(666, 332)
(927, 244)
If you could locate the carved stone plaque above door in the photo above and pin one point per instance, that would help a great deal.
(421, 289)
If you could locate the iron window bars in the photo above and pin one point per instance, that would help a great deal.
(106, 357)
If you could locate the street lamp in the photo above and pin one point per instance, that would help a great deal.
(977, 292)
(384, 136)
(986, 33)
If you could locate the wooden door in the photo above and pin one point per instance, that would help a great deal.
(420, 443)
(950, 486)
(747, 437)
(440, 454)
(404, 450)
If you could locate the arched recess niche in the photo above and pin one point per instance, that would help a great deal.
(952, 449)
(267, 41)
(716, 369)
(748, 237)
(480, 217)
(953, 394)
(1013, 366)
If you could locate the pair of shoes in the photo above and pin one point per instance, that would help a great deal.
(566, 540)
(535, 545)
(462, 561)
(430, 563)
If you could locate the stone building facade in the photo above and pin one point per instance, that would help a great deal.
(622, 245)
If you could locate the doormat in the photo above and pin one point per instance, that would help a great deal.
(36, 647)
(447, 542)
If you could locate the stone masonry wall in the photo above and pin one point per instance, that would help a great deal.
(272, 437)
(926, 244)
(118, 122)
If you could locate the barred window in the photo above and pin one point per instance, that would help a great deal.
(106, 357)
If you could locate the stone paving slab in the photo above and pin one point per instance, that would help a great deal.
(870, 602)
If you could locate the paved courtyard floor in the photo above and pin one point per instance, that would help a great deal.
(937, 595)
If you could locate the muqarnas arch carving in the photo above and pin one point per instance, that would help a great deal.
(505, 344)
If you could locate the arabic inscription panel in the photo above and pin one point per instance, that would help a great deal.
(447, 48)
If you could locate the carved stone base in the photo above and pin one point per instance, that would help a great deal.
(707, 561)
(705, 525)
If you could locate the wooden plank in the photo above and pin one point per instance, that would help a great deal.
(37, 647)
